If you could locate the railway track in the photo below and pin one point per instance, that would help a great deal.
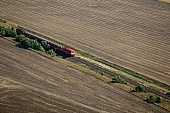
(85, 23)
(99, 69)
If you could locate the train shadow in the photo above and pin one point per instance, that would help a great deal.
(62, 55)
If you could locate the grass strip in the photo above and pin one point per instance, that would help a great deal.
(122, 69)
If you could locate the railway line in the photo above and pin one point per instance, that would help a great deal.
(99, 69)
(96, 28)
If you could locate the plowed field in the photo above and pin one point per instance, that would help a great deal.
(131, 33)
(30, 82)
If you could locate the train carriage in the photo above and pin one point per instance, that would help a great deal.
(54, 46)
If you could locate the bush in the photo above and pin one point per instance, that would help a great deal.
(153, 99)
(2, 31)
(3, 21)
(13, 29)
(118, 79)
(19, 38)
(102, 73)
(9, 25)
(45, 45)
(29, 43)
(140, 88)
(7, 29)
(51, 52)
(10, 33)
(26, 42)
(42, 49)
(34, 44)
(159, 99)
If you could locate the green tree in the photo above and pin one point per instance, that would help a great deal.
(34, 44)
(45, 45)
(151, 99)
(140, 88)
(26, 42)
(2, 31)
(159, 99)
(118, 79)
(19, 38)
(42, 49)
(10, 33)
(102, 73)
(12, 28)
(3, 21)
(51, 52)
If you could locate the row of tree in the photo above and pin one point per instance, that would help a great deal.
(8, 29)
(34, 44)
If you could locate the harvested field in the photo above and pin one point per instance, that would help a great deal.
(33, 83)
(133, 34)
(168, 1)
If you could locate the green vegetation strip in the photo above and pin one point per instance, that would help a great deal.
(116, 67)
(154, 99)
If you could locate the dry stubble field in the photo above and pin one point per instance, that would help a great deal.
(131, 33)
(30, 82)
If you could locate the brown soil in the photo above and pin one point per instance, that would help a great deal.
(30, 82)
(130, 33)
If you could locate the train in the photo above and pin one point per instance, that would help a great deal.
(56, 47)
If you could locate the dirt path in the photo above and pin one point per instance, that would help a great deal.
(32, 83)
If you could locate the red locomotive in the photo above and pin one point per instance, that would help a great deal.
(54, 46)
